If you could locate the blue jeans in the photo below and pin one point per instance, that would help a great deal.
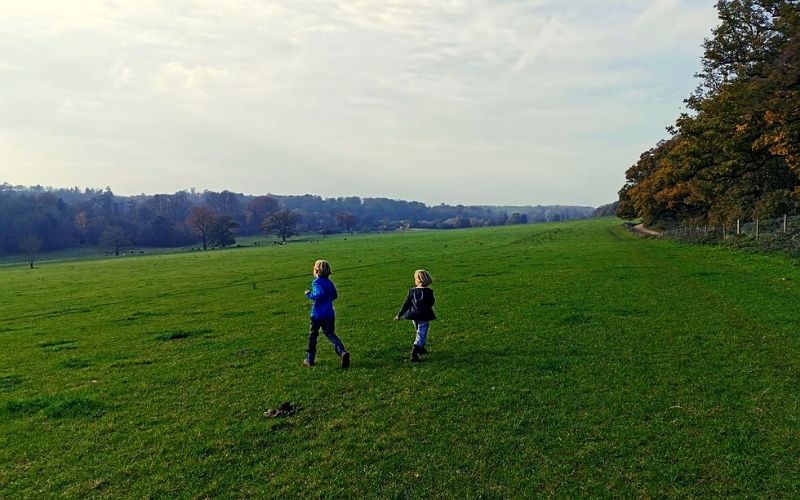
(422, 332)
(328, 328)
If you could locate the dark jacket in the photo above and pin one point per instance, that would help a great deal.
(418, 305)
(323, 293)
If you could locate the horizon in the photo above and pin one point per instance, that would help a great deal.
(82, 189)
(487, 103)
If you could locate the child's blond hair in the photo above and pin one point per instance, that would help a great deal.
(322, 268)
(422, 277)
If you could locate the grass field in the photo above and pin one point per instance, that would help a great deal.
(568, 360)
(88, 252)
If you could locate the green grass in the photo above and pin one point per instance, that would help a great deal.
(91, 252)
(568, 360)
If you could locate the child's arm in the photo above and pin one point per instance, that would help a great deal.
(316, 292)
(406, 307)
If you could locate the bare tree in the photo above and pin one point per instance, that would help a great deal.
(201, 222)
(30, 246)
(114, 238)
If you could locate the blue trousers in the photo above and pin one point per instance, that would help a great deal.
(422, 332)
(328, 327)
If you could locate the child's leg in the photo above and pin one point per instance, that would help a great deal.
(329, 329)
(422, 333)
(313, 333)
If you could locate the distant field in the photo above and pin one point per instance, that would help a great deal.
(569, 359)
(87, 252)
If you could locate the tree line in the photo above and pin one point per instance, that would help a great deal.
(38, 218)
(736, 153)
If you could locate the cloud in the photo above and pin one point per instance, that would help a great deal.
(522, 98)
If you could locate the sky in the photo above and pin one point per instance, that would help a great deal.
(491, 102)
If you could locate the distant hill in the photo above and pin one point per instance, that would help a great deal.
(606, 210)
(53, 219)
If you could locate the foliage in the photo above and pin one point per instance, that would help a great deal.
(737, 155)
(282, 224)
(607, 210)
(202, 221)
(64, 218)
(346, 221)
(518, 218)
(258, 209)
(113, 239)
(222, 230)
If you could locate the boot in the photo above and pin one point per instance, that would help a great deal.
(422, 350)
(414, 353)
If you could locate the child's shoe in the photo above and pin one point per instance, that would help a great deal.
(308, 362)
(414, 353)
(345, 360)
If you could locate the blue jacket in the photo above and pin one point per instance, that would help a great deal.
(323, 293)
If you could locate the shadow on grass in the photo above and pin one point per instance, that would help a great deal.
(56, 407)
(479, 360)
(10, 382)
(58, 345)
(183, 334)
(75, 363)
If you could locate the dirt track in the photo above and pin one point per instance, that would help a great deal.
(640, 229)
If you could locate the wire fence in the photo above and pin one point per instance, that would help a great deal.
(755, 228)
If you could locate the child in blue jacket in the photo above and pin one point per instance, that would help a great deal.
(323, 293)
(418, 307)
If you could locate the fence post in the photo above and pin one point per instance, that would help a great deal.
(784, 223)
(756, 228)
(738, 229)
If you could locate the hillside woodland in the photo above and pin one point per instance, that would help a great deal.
(735, 154)
(38, 218)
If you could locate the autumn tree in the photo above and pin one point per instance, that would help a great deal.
(736, 154)
(113, 239)
(224, 203)
(82, 225)
(282, 224)
(222, 231)
(201, 221)
(346, 221)
(259, 209)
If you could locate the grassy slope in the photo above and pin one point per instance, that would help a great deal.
(568, 359)
(87, 252)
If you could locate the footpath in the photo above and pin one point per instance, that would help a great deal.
(640, 229)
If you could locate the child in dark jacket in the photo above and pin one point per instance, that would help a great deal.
(418, 307)
(323, 293)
